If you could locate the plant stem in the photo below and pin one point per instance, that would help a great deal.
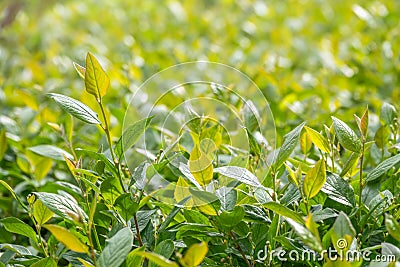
(108, 134)
(137, 230)
(37, 226)
(361, 178)
(274, 185)
(241, 250)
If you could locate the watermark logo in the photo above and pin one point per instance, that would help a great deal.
(345, 253)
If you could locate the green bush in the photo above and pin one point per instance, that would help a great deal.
(90, 177)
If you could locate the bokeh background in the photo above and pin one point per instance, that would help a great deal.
(311, 58)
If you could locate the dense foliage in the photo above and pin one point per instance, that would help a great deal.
(90, 178)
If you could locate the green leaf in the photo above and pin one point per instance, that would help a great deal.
(66, 237)
(206, 202)
(240, 174)
(21, 250)
(172, 214)
(289, 143)
(263, 195)
(117, 249)
(16, 226)
(194, 216)
(343, 232)
(388, 113)
(165, 248)
(194, 230)
(318, 139)
(46, 262)
(339, 190)
(133, 259)
(381, 137)
(195, 255)
(306, 235)
(391, 250)
(109, 165)
(3, 143)
(250, 115)
(346, 136)
(110, 190)
(8, 187)
(41, 213)
(229, 219)
(284, 211)
(76, 108)
(126, 206)
(131, 135)
(65, 207)
(315, 179)
(51, 152)
(158, 259)
(96, 80)
(350, 163)
(227, 196)
(255, 214)
(80, 70)
(254, 146)
(392, 226)
(382, 168)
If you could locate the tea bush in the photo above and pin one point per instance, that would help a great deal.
(87, 180)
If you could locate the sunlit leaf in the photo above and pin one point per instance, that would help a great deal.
(315, 179)
(96, 80)
(51, 152)
(70, 240)
(347, 137)
(76, 108)
(318, 139)
(41, 213)
(289, 143)
(195, 255)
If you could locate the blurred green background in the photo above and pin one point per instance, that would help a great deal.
(311, 58)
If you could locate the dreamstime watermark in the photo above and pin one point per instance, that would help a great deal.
(332, 254)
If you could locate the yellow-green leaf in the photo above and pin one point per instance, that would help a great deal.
(363, 123)
(293, 177)
(200, 166)
(182, 191)
(318, 139)
(41, 213)
(46, 262)
(305, 143)
(3, 143)
(312, 226)
(42, 168)
(80, 70)
(66, 237)
(157, 259)
(96, 80)
(85, 263)
(195, 255)
(315, 179)
(133, 259)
